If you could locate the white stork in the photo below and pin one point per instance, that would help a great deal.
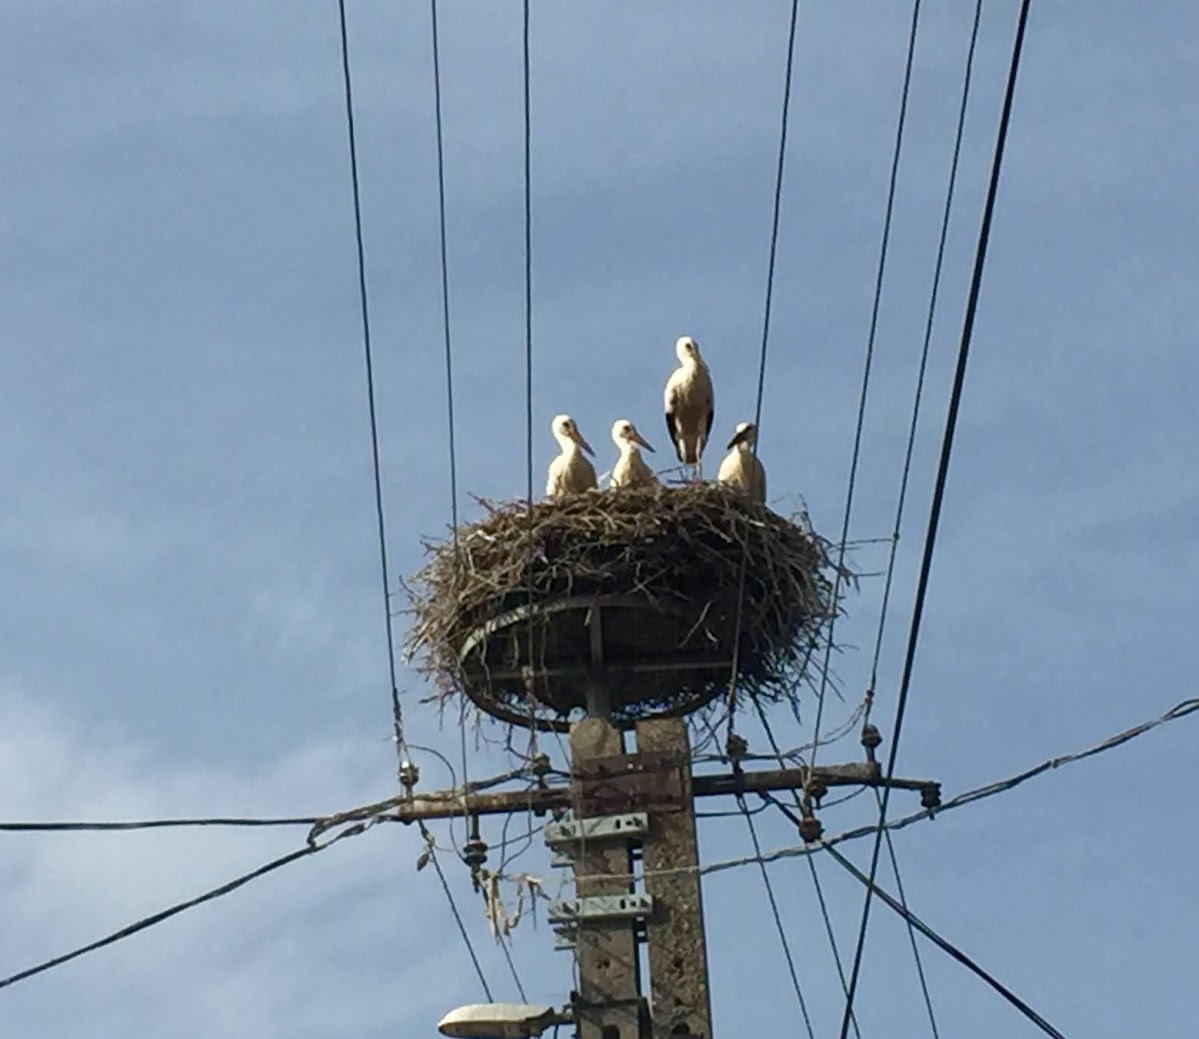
(741, 468)
(690, 404)
(570, 472)
(631, 469)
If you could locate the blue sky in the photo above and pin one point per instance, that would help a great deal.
(193, 622)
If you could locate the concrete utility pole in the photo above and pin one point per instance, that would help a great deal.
(630, 838)
(630, 806)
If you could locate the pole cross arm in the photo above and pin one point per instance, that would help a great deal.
(445, 804)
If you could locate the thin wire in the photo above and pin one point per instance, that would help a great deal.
(445, 324)
(528, 141)
(828, 929)
(778, 921)
(868, 363)
(770, 266)
(945, 945)
(396, 710)
(528, 186)
(907, 468)
(151, 824)
(903, 898)
(175, 910)
(828, 924)
(512, 970)
(445, 276)
(928, 335)
(449, 895)
(939, 487)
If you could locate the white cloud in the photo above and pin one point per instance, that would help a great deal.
(326, 945)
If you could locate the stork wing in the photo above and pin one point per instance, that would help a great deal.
(672, 402)
(673, 429)
(711, 409)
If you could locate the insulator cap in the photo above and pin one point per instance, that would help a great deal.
(736, 747)
(409, 774)
(811, 829)
(871, 737)
(540, 765)
(930, 796)
(474, 852)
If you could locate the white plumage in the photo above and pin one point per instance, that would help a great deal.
(741, 468)
(631, 469)
(570, 472)
(690, 403)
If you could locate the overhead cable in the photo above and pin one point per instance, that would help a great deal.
(930, 539)
(175, 910)
(947, 946)
(397, 713)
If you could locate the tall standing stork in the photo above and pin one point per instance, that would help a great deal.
(630, 469)
(570, 472)
(690, 404)
(741, 467)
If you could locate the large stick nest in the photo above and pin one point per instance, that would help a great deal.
(685, 579)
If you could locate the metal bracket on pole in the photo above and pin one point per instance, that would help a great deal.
(600, 907)
(571, 832)
(568, 914)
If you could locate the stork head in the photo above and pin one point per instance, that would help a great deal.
(687, 350)
(624, 432)
(746, 433)
(565, 431)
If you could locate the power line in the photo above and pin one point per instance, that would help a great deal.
(520, 989)
(770, 799)
(778, 920)
(907, 468)
(939, 487)
(868, 362)
(445, 275)
(445, 886)
(928, 335)
(152, 824)
(175, 910)
(396, 710)
(770, 266)
(903, 899)
(397, 713)
(914, 921)
(766, 799)
(528, 169)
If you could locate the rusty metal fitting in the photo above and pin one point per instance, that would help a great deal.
(811, 829)
(930, 796)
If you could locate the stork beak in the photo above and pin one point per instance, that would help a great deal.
(739, 438)
(577, 437)
(639, 439)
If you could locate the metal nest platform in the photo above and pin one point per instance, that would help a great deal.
(630, 603)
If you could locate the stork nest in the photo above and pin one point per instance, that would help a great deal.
(681, 581)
